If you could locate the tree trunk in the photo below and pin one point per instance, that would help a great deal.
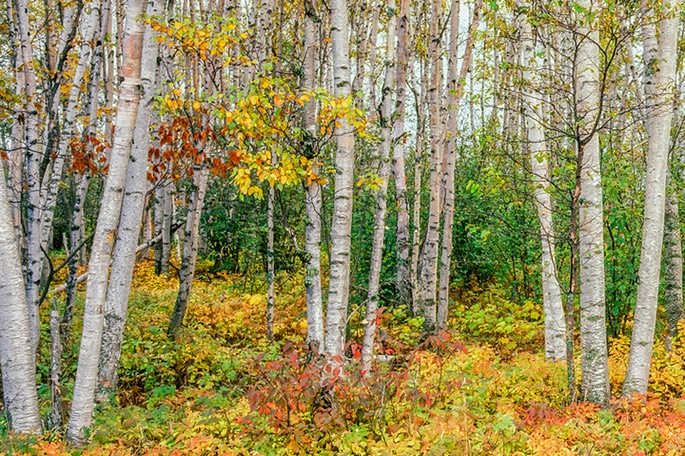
(270, 266)
(167, 218)
(428, 263)
(17, 358)
(555, 330)
(341, 226)
(32, 159)
(595, 385)
(313, 201)
(90, 58)
(659, 52)
(160, 190)
(98, 268)
(673, 267)
(55, 417)
(76, 238)
(118, 291)
(404, 282)
(455, 88)
(386, 121)
(190, 242)
(416, 216)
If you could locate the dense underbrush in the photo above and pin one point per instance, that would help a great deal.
(481, 388)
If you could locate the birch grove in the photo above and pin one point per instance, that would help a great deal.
(369, 183)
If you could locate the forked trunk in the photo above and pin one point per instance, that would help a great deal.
(93, 320)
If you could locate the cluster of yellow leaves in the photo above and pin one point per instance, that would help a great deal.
(370, 181)
(263, 124)
(217, 37)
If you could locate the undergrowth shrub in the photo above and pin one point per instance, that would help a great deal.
(297, 401)
(487, 316)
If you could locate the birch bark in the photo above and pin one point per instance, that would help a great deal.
(17, 358)
(381, 195)
(341, 226)
(660, 58)
(118, 291)
(404, 285)
(428, 263)
(555, 330)
(32, 159)
(455, 88)
(673, 267)
(190, 242)
(110, 210)
(595, 382)
(313, 201)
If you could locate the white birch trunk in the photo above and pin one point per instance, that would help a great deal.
(313, 201)
(32, 158)
(341, 226)
(15, 163)
(17, 358)
(90, 58)
(595, 384)
(160, 189)
(118, 291)
(428, 262)
(455, 88)
(555, 329)
(381, 195)
(404, 282)
(93, 321)
(660, 58)
(167, 217)
(416, 213)
(270, 265)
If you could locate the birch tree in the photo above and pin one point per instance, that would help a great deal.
(313, 199)
(383, 159)
(341, 226)
(119, 288)
(673, 266)
(455, 89)
(17, 360)
(428, 262)
(404, 285)
(190, 242)
(108, 219)
(555, 331)
(32, 157)
(660, 66)
(595, 382)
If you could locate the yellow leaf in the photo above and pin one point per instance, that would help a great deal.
(278, 101)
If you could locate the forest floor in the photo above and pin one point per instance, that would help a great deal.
(483, 387)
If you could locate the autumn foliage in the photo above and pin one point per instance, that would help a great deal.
(221, 388)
